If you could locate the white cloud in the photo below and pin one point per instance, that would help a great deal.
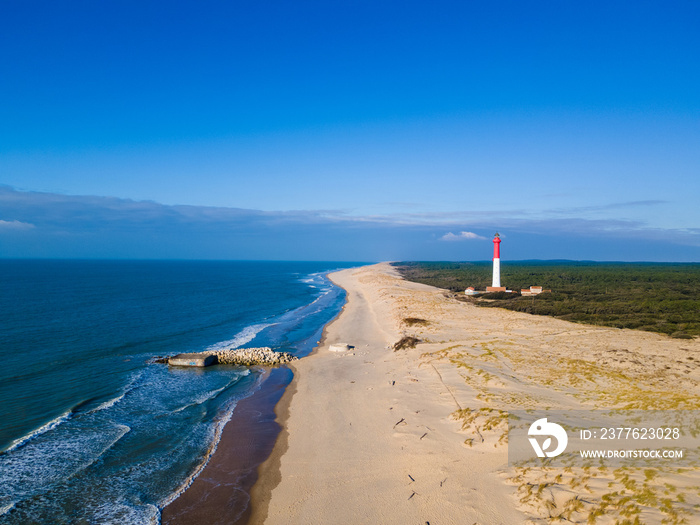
(15, 225)
(461, 236)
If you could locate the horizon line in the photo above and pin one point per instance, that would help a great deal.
(486, 261)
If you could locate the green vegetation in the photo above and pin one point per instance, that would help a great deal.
(655, 297)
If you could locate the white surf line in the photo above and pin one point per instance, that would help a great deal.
(218, 430)
(244, 336)
(37, 432)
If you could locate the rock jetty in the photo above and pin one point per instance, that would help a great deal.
(263, 356)
(253, 356)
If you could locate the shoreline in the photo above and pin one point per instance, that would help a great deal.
(221, 492)
(263, 414)
(269, 471)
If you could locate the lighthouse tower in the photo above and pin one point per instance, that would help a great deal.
(496, 262)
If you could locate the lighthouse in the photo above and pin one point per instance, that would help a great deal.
(496, 262)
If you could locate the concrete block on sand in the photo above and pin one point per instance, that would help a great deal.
(199, 360)
(340, 347)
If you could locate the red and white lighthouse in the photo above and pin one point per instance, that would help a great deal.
(496, 262)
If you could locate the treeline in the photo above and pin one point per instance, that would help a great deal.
(656, 297)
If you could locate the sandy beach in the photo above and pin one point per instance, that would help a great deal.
(374, 435)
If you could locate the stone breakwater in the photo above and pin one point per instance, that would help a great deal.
(252, 356)
(263, 356)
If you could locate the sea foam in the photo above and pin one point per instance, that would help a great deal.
(39, 431)
(218, 430)
(244, 336)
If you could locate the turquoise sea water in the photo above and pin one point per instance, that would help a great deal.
(90, 430)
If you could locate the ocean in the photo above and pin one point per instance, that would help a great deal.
(91, 430)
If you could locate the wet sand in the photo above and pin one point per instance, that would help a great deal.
(220, 494)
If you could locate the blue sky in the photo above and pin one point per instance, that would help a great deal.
(350, 130)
